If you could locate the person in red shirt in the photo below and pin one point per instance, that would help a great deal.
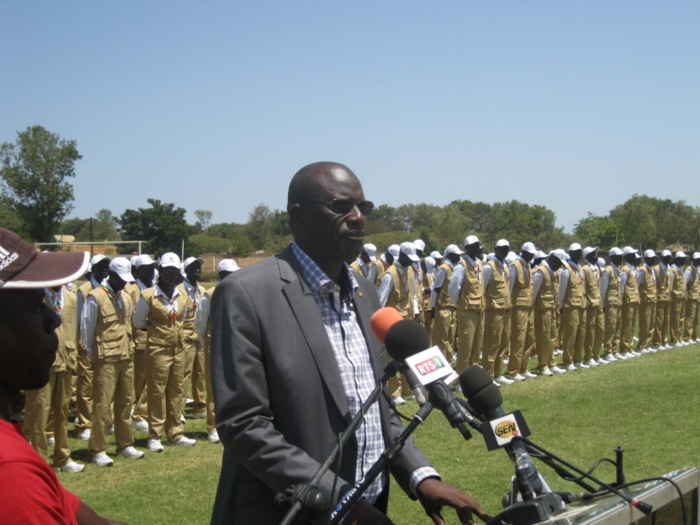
(30, 492)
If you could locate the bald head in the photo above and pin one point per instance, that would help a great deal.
(306, 183)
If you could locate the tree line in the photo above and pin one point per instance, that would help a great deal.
(36, 196)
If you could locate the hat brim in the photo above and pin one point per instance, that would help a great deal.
(50, 269)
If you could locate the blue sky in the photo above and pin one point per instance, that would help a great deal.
(574, 105)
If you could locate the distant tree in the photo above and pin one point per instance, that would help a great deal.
(637, 221)
(382, 220)
(72, 226)
(162, 225)
(9, 218)
(203, 219)
(596, 230)
(34, 171)
(103, 227)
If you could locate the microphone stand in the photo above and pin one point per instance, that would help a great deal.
(300, 493)
(354, 494)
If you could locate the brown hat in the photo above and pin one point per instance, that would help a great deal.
(22, 266)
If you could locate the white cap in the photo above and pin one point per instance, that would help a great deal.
(169, 259)
(540, 255)
(680, 254)
(97, 258)
(394, 250)
(471, 239)
(696, 255)
(409, 249)
(574, 247)
(560, 254)
(666, 253)
(453, 248)
(528, 247)
(628, 249)
(227, 265)
(419, 244)
(601, 262)
(142, 259)
(589, 249)
(122, 267)
(502, 242)
(436, 254)
(511, 257)
(429, 263)
(615, 251)
(371, 250)
(649, 254)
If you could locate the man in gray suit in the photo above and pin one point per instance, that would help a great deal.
(293, 359)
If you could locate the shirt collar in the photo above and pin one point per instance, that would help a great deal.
(160, 292)
(316, 278)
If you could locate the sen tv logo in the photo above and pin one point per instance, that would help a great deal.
(430, 365)
(506, 429)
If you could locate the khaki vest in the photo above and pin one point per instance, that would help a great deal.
(401, 297)
(138, 335)
(113, 330)
(631, 295)
(188, 326)
(574, 292)
(207, 338)
(471, 294)
(358, 268)
(647, 290)
(426, 284)
(381, 270)
(497, 293)
(663, 292)
(443, 299)
(523, 288)
(67, 332)
(678, 287)
(547, 294)
(693, 284)
(612, 297)
(162, 331)
(591, 279)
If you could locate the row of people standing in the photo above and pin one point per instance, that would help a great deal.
(498, 310)
(136, 346)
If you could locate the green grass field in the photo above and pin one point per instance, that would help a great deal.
(648, 406)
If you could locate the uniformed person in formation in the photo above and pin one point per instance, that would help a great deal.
(224, 268)
(161, 310)
(629, 303)
(546, 302)
(610, 299)
(663, 302)
(522, 331)
(572, 307)
(497, 313)
(692, 277)
(366, 264)
(466, 290)
(646, 283)
(384, 262)
(445, 310)
(679, 292)
(50, 403)
(426, 287)
(593, 338)
(99, 272)
(105, 328)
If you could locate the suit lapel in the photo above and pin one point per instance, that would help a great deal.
(306, 311)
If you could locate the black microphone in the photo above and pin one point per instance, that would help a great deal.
(485, 398)
(407, 338)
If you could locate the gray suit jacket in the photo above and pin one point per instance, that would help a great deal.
(280, 402)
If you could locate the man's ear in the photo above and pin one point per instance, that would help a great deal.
(296, 217)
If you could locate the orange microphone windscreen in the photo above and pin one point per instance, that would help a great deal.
(382, 320)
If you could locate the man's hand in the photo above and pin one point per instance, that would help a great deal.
(364, 513)
(434, 495)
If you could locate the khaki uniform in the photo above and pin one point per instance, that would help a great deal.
(211, 409)
(611, 305)
(647, 307)
(49, 404)
(496, 319)
(358, 268)
(545, 308)
(445, 322)
(381, 270)
(522, 332)
(679, 292)
(194, 353)
(470, 315)
(691, 303)
(593, 337)
(425, 309)
(113, 366)
(663, 305)
(84, 369)
(573, 316)
(628, 308)
(140, 412)
(165, 363)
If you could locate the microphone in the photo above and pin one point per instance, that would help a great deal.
(500, 428)
(408, 342)
(382, 321)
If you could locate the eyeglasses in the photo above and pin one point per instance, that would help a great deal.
(345, 206)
